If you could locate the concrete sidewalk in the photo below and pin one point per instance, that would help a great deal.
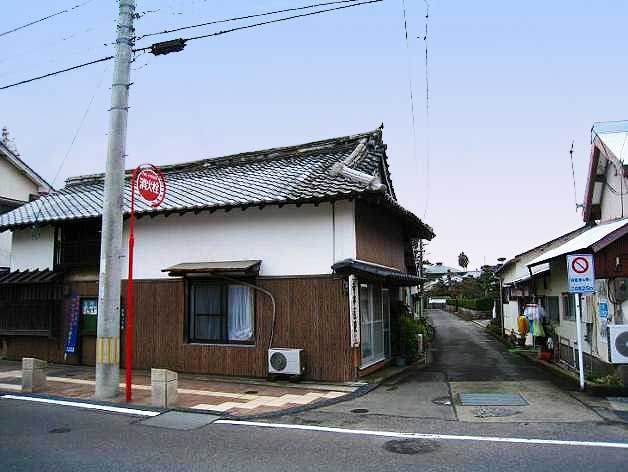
(237, 397)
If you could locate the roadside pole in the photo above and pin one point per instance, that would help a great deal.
(421, 287)
(108, 331)
(580, 340)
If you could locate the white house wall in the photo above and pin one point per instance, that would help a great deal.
(288, 240)
(33, 249)
(14, 184)
(5, 249)
(611, 203)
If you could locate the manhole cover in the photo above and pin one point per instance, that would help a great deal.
(494, 412)
(446, 401)
(492, 399)
(60, 430)
(359, 410)
(411, 446)
(251, 392)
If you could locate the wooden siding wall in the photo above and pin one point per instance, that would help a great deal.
(53, 349)
(605, 260)
(379, 236)
(312, 314)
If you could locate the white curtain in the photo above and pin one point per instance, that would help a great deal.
(240, 313)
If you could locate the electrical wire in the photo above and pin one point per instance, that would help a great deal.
(218, 33)
(263, 23)
(76, 134)
(102, 59)
(67, 10)
(138, 38)
(410, 86)
(427, 113)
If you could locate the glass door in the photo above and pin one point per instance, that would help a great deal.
(374, 324)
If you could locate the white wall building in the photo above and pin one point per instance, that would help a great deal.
(18, 185)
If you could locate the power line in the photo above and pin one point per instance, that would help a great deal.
(183, 41)
(76, 133)
(427, 112)
(138, 38)
(410, 84)
(240, 28)
(103, 59)
(573, 176)
(67, 10)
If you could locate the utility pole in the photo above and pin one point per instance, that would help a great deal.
(108, 340)
(421, 287)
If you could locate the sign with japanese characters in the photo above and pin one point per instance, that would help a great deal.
(73, 325)
(151, 186)
(580, 273)
(354, 310)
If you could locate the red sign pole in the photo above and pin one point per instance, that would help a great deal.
(153, 189)
(128, 358)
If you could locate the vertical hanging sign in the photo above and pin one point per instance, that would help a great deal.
(70, 347)
(354, 310)
(151, 186)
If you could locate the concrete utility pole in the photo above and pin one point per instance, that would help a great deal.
(108, 340)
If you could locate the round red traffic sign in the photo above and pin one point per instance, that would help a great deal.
(151, 185)
(580, 265)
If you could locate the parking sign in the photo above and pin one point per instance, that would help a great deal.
(580, 273)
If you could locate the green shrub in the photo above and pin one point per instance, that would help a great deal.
(479, 304)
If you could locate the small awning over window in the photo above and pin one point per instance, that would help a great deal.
(375, 272)
(229, 268)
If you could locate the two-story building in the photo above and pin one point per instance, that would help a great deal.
(297, 247)
(19, 184)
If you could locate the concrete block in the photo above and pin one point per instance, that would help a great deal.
(164, 385)
(33, 375)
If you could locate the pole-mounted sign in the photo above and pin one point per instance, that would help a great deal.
(581, 280)
(150, 184)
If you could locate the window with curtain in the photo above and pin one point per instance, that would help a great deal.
(221, 313)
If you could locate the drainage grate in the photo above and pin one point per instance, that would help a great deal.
(359, 410)
(492, 399)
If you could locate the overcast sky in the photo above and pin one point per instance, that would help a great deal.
(511, 85)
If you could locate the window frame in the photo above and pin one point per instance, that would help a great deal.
(566, 315)
(224, 303)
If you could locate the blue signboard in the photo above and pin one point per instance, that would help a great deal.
(603, 309)
(73, 326)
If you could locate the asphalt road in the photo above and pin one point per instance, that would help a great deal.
(45, 437)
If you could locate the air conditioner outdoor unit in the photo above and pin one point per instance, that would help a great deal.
(618, 344)
(285, 361)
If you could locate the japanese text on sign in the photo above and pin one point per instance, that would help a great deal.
(580, 273)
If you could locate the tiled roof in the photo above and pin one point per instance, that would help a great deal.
(295, 174)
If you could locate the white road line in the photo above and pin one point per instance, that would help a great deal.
(88, 406)
(450, 437)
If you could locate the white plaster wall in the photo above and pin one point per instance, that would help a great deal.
(611, 204)
(33, 250)
(288, 240)
(5, 249)
(557, 286)
(14, 184)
